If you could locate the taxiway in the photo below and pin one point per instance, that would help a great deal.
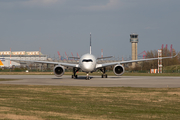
(95, 81)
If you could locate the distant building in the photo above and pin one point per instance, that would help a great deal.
(21, 55)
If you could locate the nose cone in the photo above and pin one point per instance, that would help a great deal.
(88, 67)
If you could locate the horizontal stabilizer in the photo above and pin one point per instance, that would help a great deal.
(104, 57)
(74, 57)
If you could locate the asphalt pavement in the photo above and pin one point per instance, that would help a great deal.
(95, 81)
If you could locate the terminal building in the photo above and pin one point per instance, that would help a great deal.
(21, 55)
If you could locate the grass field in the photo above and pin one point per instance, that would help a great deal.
(8, 79)
(88, 103)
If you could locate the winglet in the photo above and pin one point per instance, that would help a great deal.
(175, 55)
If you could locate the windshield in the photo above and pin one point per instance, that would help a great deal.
(87, 60)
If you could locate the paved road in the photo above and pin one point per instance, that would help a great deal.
(95, 81)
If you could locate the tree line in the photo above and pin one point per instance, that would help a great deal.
(147, 65)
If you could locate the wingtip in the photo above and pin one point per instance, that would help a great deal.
(175, 55)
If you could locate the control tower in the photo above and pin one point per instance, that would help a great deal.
(134, 53)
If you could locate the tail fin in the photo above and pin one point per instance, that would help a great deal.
(1, 64)
(90, 43)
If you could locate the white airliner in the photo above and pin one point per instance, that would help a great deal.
(88, 64)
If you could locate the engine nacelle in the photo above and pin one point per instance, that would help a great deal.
(59, 70)
(118, 70)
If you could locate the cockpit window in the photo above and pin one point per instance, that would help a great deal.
(87, 60)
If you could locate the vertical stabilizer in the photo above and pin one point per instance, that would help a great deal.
(1, 64)
(90, 43)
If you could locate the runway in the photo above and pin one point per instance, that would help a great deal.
(95, 81)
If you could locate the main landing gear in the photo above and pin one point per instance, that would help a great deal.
(104, 75)
(75, 70)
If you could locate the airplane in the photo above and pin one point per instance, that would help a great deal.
(88, 64)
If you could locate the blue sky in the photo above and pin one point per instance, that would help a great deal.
(65, 25)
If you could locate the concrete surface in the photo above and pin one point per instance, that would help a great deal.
(95, 81)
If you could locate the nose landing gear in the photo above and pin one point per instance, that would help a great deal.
(87, 77)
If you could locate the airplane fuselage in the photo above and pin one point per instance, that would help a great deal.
(87, 63)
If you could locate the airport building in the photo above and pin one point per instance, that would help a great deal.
(21, 55)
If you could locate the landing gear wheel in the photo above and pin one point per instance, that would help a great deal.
(74, 76)
(104, 76)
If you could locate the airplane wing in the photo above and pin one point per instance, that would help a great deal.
(47, 62)
(130, 61)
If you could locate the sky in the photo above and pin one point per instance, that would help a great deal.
(65, 26)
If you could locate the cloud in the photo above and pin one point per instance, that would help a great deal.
(112, 4)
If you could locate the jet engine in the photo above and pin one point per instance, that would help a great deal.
(59, 70)
(118, 70)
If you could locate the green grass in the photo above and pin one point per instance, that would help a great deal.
(84, 103)
(8, 79)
